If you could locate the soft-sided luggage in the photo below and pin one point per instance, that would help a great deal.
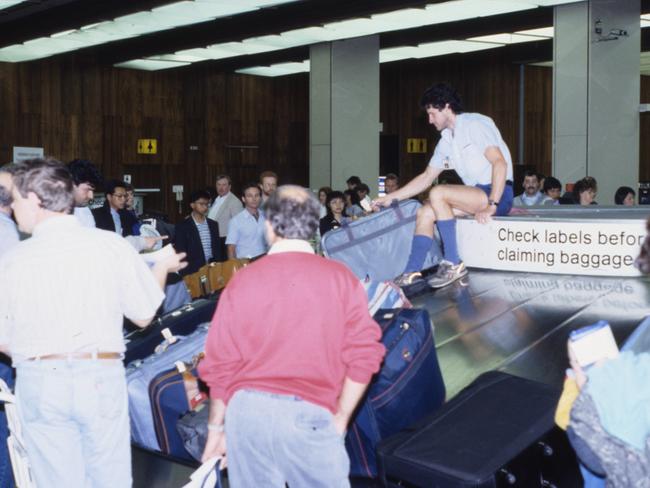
(213, 276)
(140, 373)
(141, 343)
(193, 429)
(172, 393)
(378, 246)
(496, 432)
(408, 386)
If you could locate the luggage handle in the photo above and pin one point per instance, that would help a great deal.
(394, 206)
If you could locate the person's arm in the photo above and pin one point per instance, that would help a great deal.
(499, 171)
(350, 397)
(417, 185)
(215, 444)
(232, 251)
(170, 264)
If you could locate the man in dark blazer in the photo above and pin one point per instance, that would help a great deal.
(198, 236)
(112, 215)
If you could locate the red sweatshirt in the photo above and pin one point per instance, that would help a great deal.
(292, 323)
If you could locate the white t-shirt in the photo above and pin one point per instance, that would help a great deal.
(464, 149)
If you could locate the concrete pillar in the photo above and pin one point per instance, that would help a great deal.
(344, 113)
(596, 83)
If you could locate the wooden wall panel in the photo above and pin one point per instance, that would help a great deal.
(74, 109)
(644, 132)
(486, 82)
(538, 118)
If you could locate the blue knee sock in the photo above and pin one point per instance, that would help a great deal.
(447, 230)
(419, 248)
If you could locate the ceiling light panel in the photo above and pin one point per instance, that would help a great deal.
(150, 64)
(9, 3)
(507, 38)
(169, 16)
(280, 69)
(396, 20)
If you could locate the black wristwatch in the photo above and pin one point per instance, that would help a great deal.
(492, 202)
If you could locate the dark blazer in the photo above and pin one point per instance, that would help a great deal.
(104, 220)
(187, 240)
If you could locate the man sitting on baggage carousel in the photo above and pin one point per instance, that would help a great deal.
(63, 295)
(471, 144)
(290, 352)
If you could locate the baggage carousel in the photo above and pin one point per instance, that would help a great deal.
(493, 320)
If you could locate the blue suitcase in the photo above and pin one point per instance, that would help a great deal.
(141, 343)
(378, 246)
(169, 402)
(408, 387)
(140, 373)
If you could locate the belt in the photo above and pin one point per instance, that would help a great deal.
(509, 182)
(79, 355)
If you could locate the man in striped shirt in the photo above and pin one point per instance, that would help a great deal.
(198, 236)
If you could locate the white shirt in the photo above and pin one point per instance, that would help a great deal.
(212, 214)
(85, 216)
(67, 289)
(463, 149)
(8, 233)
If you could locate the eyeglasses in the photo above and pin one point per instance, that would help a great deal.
(119, 195)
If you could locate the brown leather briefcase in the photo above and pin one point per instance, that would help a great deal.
(213, 277)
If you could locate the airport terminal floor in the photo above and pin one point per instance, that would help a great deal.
(495, 320)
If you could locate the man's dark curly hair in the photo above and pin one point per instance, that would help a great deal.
(441, 94)
(83, 171)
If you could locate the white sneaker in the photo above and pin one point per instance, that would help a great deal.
(447, 273)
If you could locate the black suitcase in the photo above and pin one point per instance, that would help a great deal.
(183, 321)
(497, 432)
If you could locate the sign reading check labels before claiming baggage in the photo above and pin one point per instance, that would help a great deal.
(593, 247)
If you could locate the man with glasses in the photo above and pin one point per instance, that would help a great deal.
(198, 236)
(112, 215)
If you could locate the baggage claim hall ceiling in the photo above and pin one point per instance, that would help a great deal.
(270, 37)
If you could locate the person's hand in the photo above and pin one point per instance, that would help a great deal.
(215, 445)
(579, 373)
(484, 216)
(380, 202)
(173, 263)
(150, 241)
(341, 423)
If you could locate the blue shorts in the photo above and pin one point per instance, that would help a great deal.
(505, 202)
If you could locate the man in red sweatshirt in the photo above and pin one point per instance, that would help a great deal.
(289, 355)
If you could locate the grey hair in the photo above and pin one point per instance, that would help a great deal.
(293, 212)
(49, 180)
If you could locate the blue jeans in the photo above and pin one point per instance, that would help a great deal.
(74, 415)
(277, 439)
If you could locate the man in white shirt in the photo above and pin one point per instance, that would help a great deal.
(64, 334)
(8, 233)
(86, 179)
(531, 195)
(471, 144)
(224, 208)
(246, 234)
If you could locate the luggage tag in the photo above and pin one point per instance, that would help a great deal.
(191, 383)
(169, 339)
